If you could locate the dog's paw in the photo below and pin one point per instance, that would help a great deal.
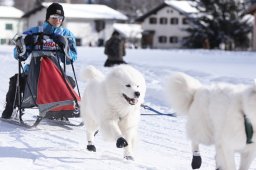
(130, 158)
(121, 142)
(196, 162)
(91, 148)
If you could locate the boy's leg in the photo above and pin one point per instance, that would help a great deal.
(10, 96)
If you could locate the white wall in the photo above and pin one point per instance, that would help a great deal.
(34, 19)
(8, 34)
(85, 29)
(82, 28)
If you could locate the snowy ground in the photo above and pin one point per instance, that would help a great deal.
(162, 143)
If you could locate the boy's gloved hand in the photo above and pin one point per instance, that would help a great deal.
(60, 40)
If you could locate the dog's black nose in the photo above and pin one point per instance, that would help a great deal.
(137, 94)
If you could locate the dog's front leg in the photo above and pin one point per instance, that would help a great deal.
(196, 160)
(224, 157)
(90, 137)
(114, 130)
(246, 159)
(128, 150)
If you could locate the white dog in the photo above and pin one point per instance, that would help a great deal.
(219, 114)
(111, 104)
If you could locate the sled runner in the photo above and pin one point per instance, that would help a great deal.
(47, 87)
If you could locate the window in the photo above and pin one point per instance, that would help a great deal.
(173, 39)
(78, 41)
(174, 21)
(99, 25)
(100, 42)
(169, 11)
(152, 20)
(162, 39)
(184, 21)
(3, 41)
(163, 20)
(8, 26)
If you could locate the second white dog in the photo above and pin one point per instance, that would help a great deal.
(111, 104)
(220, 114)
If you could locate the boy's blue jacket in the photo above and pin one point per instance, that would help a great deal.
(51, 30)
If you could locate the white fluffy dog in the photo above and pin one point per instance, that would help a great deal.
(111, 104)
(220, 114)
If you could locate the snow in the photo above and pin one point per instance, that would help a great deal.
(129, 30)
(92, 11)
(10, 12)
(162, 143)
(184, 6)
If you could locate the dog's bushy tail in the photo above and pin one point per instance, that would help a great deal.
(180, 91)
(91, 73)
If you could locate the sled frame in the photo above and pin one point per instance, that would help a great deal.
(49, 115)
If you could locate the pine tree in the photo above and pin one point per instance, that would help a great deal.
(219, 22)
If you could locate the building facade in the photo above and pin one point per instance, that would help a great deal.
(163, 27)
(9, 23)
(91, 24)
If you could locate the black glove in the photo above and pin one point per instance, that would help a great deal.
(29, 40)
(20, 48)
(19, 44)
(121, 142)
(60, 40)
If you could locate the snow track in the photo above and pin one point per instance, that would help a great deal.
(162, 142)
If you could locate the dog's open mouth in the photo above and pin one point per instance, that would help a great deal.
(131, 101)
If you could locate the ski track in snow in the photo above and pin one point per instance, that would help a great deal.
(162, 142)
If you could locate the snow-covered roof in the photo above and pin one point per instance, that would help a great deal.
(91, 11)
(129, 30)
(10, 12)
(184, 6)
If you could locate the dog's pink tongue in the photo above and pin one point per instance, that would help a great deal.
(134, 101)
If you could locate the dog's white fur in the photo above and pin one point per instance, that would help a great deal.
(215, 115)
(104, 108)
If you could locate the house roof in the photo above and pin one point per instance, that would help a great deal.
(27, 14)
(85, 11)
(10, 12)
(129, 30)
(185, 7)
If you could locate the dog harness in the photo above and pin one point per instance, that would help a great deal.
(248, 130)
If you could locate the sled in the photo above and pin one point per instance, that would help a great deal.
(47, 88)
